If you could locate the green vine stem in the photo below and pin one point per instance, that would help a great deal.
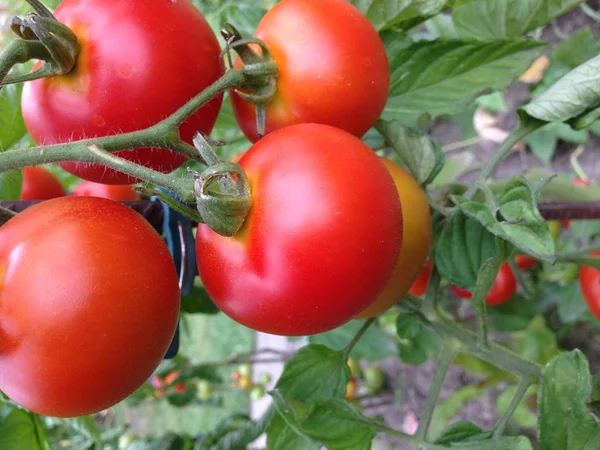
(443, 362)
(468, 341)
(430, 303)
(520, 278)
(357, 336)
(525, 128)
(514, 403)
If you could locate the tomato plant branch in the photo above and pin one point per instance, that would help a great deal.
(514, 403)
(495, 354)
(518, 134)
(430, 303)
(357, 336)
(19, 52)
(520, 278)
(443, 362)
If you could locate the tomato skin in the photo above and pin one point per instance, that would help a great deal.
(130, 74)
(117, 192)
(525, 262)
(416, 238)
(503, 289)
(40, 184)
(105, 294)
(318, 245)
(333, 68)
(589, 281)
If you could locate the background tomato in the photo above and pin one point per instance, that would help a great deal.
(333, 68)
(416, 238)
(139, 61)
(525, 262)
(88, 287)
(320, 241)
(40, 184)
(503, 289)
(589, 280)
(419, 287)
(117, 192)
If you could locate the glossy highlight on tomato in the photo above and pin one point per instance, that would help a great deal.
(503, 289)
(320, 241)
(589, 281)
(117, 192)
(40, 184)
(333, 68)
(416, 238)
(139, 61)
(89, 303)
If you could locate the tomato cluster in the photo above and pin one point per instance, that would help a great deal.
(334, 232)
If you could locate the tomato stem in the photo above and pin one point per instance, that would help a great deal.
(523, 129)
(443, 362)
(357, 336)
(524, 384)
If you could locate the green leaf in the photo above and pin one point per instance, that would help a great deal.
(10, 184)
(493, 102)
(333, 422)
(520, 221)
(571, 304)
(408, 325)
(236, 433)
(420, 348)
(523, 416)
(374, 345)
(12, 127)
(399, 13)
(514, 315)
(575, 94)
(503, 19)
(427, 78)
(198, 301)
(542, 143)
(462, 248)
(448, 408)
(564, 421)
(17, 430)
(280, 435)
(509, 443)
(460, 432)
(418, 153)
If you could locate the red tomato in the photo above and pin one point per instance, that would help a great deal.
(179, 388)
(525, 262)
(503, 289)
(419, 287)
(120, 193)
(139, 61)
(87, 286)
(589, 280)
(321, 239)
(333, 68)
(40, 184)
(416, 237)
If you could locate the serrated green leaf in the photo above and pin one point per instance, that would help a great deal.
(419, 154)
(520, 223)
(374, 345)
(12, 127)
(17, 431)
(402, 14)
(281, 435)
(502, 19)
(426, 76)
(542, 143)
(461, 431)
(564, 421)
(537, 342)
(420, 348)
(462, 248)
(575, 94)
(408, 325)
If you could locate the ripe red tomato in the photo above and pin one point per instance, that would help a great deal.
(120, 193)
(139, 61)
(419, 287)
(503, 289)
(525, 262)
(589, 280)
(40, 184)
(87, 286)
(416, 237)
(321, 239)
(333, 68)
